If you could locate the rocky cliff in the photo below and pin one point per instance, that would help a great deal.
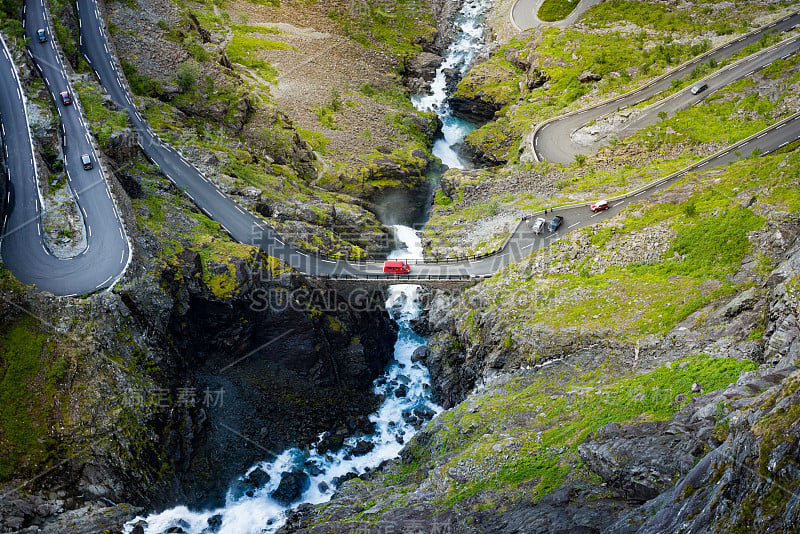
(582, 398)
(141, 388)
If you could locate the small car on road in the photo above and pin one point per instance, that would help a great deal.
(555, 223)
(41, 35)
(699, 88)
(600, 205)
(538, 225)
(86, 160)
(66, 98)
(396, 267)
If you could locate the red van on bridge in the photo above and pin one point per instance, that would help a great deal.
(396, 267)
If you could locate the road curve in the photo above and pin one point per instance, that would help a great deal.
(107, 253)
(551, 141)
(248, 228)
(524, 14)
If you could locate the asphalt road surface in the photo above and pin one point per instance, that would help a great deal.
(24, 253)
(524, 14)
(248, 228)
(107, 252)
(551, 141)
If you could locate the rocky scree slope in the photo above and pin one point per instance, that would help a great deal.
(301, 124)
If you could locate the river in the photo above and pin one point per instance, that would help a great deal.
(405, 385)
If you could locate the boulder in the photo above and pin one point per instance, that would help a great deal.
(588, 76)
(214, 524)
(363, 447)
(257, 478)
(535, 78)
(642, 460)
(423, 66)
(518, 58)
(122, 145)
(420, 354)
(291, 487)
(474, 109)
(741, 302)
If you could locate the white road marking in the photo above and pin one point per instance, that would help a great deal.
(573, 225)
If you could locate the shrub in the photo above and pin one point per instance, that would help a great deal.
(187, 74)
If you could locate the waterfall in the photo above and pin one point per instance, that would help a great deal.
(405, 386)
(458, 57)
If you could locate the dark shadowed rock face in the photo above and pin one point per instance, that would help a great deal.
(476, 110)
(269, 375)
(291, 487)
(642, 461)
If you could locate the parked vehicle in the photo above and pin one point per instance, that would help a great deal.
(600, 205)
(66, 98)
(86, 159)
(555, 223)
(41, 35)
(396, 267)
(538, 225)
(699, 88)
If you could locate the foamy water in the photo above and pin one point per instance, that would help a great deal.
(406, 389)
(458, 57)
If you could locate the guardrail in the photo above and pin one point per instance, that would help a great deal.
(404, 277)
(657, 79)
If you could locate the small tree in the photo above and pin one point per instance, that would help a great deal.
(187, 74)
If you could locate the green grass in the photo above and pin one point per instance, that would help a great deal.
(553, 10)
(103, 120)
(547, 417)
(24, 439)
(396, 27)
(713, 246)
(245, 51)
(642, 299)
(251, 28)
(695, 19)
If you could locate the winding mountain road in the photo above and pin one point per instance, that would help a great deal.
(107, 252)
(21, 234)
(524, 14)
(551, 140)
(248, 228)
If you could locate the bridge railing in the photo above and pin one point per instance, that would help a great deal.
(383, 277)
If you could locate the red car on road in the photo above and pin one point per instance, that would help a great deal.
(600, 205)
(396, 267)
(66, 99)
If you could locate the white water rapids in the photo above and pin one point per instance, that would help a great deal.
(458, 57)
(394, 422)
(405, 385)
